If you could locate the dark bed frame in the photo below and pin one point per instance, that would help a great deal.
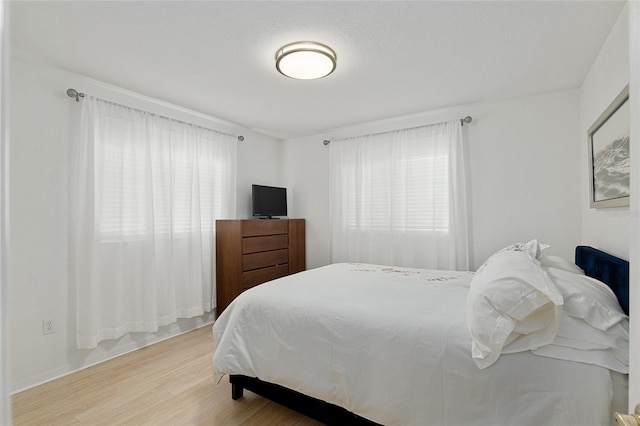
(311, 407)
(609, 269)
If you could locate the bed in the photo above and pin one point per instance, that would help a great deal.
(371, 344)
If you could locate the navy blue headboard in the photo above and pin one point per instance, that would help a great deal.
(609, 269)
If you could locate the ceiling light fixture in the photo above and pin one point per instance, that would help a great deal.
(305, 60)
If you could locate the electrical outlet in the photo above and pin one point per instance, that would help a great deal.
(48, 326)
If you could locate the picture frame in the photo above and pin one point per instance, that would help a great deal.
(609, 161)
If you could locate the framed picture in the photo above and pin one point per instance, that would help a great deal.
(609, 161)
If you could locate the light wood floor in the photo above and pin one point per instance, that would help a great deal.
(169, 383)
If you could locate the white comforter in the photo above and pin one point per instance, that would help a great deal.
(392, 345)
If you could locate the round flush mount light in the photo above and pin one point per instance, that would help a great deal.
(305, 60)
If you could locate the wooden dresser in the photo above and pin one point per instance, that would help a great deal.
(251, 252)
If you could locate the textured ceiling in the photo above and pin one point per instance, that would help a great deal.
(394, 57)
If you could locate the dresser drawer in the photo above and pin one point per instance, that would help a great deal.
(253, 278)
(271, 242)
(255, 228)
(264, 259)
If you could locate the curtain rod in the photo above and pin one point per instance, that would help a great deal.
(73, 93)
(467, 119)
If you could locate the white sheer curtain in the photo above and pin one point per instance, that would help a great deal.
(399, 198)
(146, 192)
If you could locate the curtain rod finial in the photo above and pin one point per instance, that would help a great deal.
(73, 93)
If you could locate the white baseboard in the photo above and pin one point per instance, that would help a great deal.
(167, 332)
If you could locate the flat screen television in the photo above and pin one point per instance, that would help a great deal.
(268, 201)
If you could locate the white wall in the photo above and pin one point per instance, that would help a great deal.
(634, 255)
(41, 117)
(523, 173)
(5, 368)
(615, 230)
(259, 162)
(605, 229)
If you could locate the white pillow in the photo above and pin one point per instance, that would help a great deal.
(512, 305)
(578, 341)
(593, 328)
(588, 299)
(533, 247)
(551, 261)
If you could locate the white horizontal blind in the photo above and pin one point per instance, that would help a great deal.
(427, 194)
(394, 190)
(153, 188)
(406, 192)
(120, 188)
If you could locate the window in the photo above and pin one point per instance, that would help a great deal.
(398, 198)
(414, 200)
(156, 188)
